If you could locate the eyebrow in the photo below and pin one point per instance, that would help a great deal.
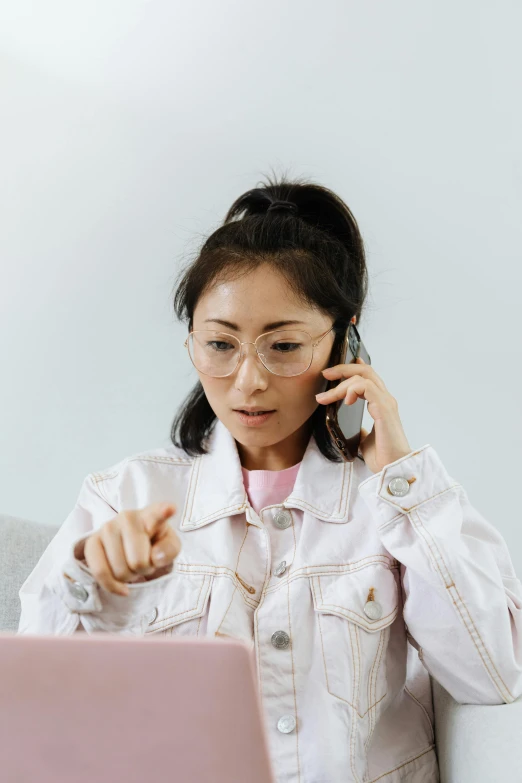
(266, 327)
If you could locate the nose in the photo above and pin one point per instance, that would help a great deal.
(251, 372)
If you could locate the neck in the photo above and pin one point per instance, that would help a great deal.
(279, 456)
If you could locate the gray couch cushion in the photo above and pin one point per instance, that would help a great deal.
(22, 543)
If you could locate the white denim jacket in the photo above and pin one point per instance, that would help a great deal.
(351, 681)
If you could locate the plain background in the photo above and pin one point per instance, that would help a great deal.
(128, 128)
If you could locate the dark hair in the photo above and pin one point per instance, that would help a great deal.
(320, 253)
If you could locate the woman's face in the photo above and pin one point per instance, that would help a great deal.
(253, 304)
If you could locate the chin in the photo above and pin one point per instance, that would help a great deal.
(255, 435)
(265, 436)
(269, 432)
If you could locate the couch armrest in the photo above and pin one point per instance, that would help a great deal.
(22, 543)
(477, 743)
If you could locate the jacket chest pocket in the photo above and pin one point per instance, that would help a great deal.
(182, 608)
(354, 613)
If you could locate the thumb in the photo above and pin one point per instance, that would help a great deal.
(165, 549)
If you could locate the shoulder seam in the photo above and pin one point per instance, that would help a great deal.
(175, 460)
(99, 476)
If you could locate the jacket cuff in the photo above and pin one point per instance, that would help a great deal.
(78, 589)
(415, 478)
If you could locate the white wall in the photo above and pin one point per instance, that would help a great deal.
(127, 129)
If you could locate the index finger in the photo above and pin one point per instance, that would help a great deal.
(342, 370)
(346, 371)
(155, 517)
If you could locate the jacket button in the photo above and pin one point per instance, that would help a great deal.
(286, 724)
(282, 519)
(373, 610)
(151, 617)
(398, 487)
(77, 590)
(281, 640)
(281, 568)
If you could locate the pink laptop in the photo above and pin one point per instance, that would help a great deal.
(104, 708)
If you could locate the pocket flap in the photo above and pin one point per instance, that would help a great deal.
(346, 594)
(186, 597)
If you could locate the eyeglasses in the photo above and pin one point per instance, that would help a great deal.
(285, 352)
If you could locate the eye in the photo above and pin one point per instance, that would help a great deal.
(213, 344)
(286, 347)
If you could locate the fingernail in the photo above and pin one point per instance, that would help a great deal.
(160, 556)
(321, 394)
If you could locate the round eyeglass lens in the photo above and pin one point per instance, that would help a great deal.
(287, 352)
(213, 353)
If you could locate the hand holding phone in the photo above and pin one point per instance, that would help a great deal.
(344, 422)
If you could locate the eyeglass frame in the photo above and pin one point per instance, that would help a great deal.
(241, 344)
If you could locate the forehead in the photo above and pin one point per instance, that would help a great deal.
(253, 300)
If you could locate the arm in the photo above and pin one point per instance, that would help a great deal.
(463, 601)
(61, 596)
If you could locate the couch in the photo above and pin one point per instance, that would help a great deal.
(475, 743)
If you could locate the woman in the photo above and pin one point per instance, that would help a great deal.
(353, 581)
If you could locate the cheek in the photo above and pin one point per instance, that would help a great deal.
(306, 386)
(215, 390)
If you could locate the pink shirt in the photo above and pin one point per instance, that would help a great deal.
(269, 487)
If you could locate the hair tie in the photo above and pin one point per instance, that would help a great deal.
(283, 205)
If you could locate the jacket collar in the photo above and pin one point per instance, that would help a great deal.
(216, 486)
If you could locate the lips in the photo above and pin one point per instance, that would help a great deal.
(241, 410)
(254, 410)
(256, 420)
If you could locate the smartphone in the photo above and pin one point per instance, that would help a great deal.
(344, 422)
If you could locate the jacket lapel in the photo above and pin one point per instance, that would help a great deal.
(216, 488)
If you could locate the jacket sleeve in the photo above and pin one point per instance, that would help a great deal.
(61, 596)
(462, 600)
